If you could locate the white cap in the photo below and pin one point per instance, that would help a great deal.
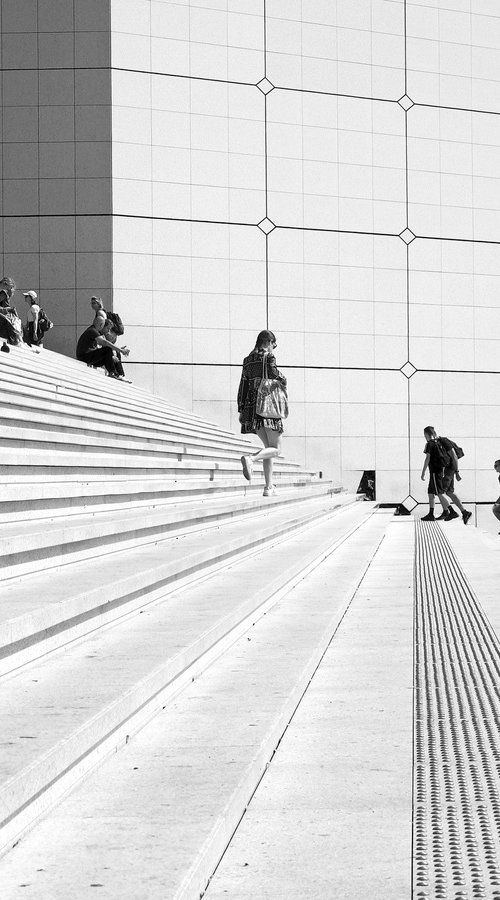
(31, 294)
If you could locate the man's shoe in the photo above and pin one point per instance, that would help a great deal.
(451, 515)
(246, 462)
(5, 348)
(428, 518)
(466, 516)
(269, 491)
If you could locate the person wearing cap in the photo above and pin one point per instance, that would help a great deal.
(30, 331)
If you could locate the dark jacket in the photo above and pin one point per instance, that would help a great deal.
(251, 376)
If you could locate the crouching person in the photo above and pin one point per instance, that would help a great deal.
(95, 349)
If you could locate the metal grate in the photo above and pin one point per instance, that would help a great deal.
(456, 824)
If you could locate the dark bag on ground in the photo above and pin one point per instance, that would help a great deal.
(117, 322)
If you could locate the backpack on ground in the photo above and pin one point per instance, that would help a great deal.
(44, 323)
(117, 322)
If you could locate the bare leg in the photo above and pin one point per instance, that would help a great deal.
(272, 448)
(445, 503)
(496, 510)
(454, 499)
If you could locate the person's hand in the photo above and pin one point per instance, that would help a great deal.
(125, 351)
(458, 476)
(422, 477)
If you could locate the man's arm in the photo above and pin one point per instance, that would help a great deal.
(454, 460)
(426, 463)
(104, 343)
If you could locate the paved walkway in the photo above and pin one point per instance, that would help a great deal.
(385, 783)
(337, 815)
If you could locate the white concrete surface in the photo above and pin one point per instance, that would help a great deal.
(332, 817)
(158, 815)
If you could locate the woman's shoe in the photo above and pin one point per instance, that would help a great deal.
(269, 491)
(246, 462)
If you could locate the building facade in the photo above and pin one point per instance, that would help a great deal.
(329, 169)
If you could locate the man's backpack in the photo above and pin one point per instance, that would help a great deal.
(458, 450)
(117, 322)
(442, 454)
(44, 323)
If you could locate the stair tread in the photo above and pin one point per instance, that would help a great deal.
(88, 581)
(172, 787)
(56, 696)
(45, 531)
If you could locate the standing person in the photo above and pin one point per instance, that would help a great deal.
(450, 471)
(496, 505)
(268, 430)
(434, 461)
(30, 332)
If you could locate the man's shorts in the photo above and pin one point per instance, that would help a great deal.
(449, 481)
(436, 485)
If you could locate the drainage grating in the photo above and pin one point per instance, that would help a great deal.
(456, 824)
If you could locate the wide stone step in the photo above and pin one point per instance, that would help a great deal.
(211, 747)
(42, 540)
(27, 498)
(52, 606)
(103, 394)
(25, 424)
(98, 418)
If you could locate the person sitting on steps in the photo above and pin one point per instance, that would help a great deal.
(10, 323)
(95, 349)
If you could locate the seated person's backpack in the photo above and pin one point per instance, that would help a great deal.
(117, 322)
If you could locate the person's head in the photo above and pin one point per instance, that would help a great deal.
(497, 465)
(31, 297)
(96, 304)
(266, 340)
(429, 433)
(7, 288)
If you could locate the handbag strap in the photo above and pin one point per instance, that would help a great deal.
(264, 365)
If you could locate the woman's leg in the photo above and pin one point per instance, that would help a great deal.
(271, 440)
(496, 510)
(272, 448)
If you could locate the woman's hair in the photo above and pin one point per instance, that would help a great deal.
(263, 338)
(8, 283)
(430, 431)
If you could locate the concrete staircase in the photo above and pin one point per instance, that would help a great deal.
(133, 554)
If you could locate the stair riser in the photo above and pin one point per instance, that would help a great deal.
(26, 555)
(21, 635)
(48, 779)
(107, 414)
(141, 435)
(26, 509)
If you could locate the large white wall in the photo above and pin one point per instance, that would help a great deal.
(326, 168)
